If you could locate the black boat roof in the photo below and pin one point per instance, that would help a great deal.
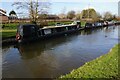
(47, 27)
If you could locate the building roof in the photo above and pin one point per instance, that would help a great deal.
(1, 14)
(3, 11)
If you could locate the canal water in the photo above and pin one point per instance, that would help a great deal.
(58, 56)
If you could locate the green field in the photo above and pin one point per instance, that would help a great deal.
(105, 66)
(8, 34)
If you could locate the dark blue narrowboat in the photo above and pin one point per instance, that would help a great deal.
(31, 32)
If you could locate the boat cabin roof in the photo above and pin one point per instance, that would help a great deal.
(47, 27)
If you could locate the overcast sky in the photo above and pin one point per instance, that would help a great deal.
(58, 6)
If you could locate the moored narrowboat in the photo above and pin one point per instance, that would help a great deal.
(31, 32)
(90, 25)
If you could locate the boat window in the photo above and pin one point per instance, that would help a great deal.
(47, 31)
(53, 30)
(61, 29)
(88, 25)
(69, 27)
(72, 27)
(66, 28)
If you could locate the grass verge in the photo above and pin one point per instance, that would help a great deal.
(105, 66)
(7, 33)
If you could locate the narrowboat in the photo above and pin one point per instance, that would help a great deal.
(98, 24)
(117, 23)
(31, 32)
(90, 25)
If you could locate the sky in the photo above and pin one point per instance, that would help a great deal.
(59, 6)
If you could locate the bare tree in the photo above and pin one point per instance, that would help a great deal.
(12, 15)
(108, 16)
(71, 14)
(78, 15)
(62, 15)
(34, 8)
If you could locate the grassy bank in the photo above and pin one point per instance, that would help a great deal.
(7, 33)
(105, 66)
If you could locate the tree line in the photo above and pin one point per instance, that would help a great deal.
(87, 14)
(39, 10)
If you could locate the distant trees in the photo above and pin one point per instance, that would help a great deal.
(86, 14)
(38, 11)
(93, 14)
(89, 14)
(99, 15)
(78, 16)
(34, 8)
(114, 17)
(62, 16)
(71, 14)
(12, 15)
(108, 16)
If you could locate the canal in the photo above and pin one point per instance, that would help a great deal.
(58, 56)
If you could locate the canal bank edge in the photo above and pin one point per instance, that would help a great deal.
(106, 66)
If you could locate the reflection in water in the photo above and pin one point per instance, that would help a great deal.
(90, 31)
(54, 57)
(28, 52)
(35, 49)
